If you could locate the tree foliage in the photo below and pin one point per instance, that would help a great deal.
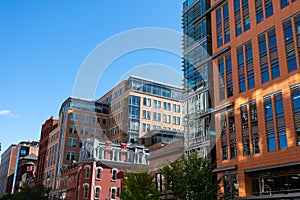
(139, 186)
(37, 192)
(192, 178)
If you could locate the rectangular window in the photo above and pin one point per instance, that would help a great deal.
(259, 11)
(229, 84)
(245, 130)
(273, 55)
(221, 79)
(147, 102)
(269, 8)
(176, 108)
(157, 104)
(273, 103)
(295, 95)
(146, 114)
(224, 136)
(284, 3)
(167, 106)
(289, 46)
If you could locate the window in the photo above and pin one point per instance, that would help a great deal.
(72, 142)
(259, 11)
(156, 116)
(145, 127)
(176, 120)
(167, 106)
(85, 191)
(70, 155)
(87, 171)
(295, 95)
(113, 193)
(114, 174)
(96, 120)
(72, 129)
(74, 116)
(245, 128)
(221, 79)
(99, 173)
(146, 114)
(284, 3)
(147, 102)
(269, 8)
(274, 103)
(97, 192)
(85, 119)
(272, 51)
(157, 104)
(176, 108)
(84, 130)
(166, 118)
(241, 17)
(289, 46)
(245, 69)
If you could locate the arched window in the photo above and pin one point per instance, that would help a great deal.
(114, 174)
(99, 173)
(85, 190)
(97, 192)
(113, 192)
(87, 171)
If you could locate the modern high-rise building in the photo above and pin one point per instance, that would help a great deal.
(138, 105)
(198, 80)
(256, 53)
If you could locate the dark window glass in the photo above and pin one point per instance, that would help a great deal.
(225, 11)
(269, 8)
(262, 46)
(265, 74)
(219, 16)
(238, 28)
(272, 40)
(242, 84)
(236, 5)
(220, 40)
(288, 33)
(271, 141)
(275, 70)
(282, 139)
(251, 81)
(227, 35)
(284, 3)
(246, 23)
(259, 16)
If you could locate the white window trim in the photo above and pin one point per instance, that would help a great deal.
(116, 189)
(97, 186)
(83, 186)
(112, 172)
(97, 172)
(87, 166)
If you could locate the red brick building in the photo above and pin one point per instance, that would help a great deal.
(100, 171)
(47, 127)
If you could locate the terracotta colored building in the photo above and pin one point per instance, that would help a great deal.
(47, 127)
(256, 56)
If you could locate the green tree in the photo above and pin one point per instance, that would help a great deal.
(192, 178)
(38, 192)
(139, 186)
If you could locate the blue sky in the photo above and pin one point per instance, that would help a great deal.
(44, 43)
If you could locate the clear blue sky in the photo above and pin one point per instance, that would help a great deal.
(43, 44)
